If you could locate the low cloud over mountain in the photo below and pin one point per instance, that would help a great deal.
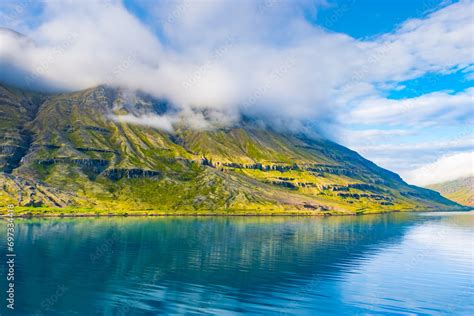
(264, 59)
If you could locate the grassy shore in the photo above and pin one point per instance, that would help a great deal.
(89, 212)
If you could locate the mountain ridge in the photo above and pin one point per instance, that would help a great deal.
(63, 150)
(459, 190)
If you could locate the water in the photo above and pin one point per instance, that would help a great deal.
(379, 264)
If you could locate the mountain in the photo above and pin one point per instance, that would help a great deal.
(459, 190)
(65, 151)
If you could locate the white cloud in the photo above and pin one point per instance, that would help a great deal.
(403, 150)
(367, 137)
(162, 122)
(446, 168)
(264, 59)
(427, 109)
(436, 44)
(458, 143)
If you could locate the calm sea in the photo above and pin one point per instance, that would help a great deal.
(400, 264)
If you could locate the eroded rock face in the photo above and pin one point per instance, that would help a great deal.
(332, 170)
(93, 165)
(14, 144)
(27, 192)
(17, 109)
(365, 187)
(117, 174)
(10, 156)
(284, 184)
(357, 196)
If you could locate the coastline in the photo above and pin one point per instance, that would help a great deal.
(58, 213)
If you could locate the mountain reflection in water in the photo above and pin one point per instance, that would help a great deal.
(392, 263)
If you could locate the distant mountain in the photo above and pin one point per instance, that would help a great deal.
(61, 150)
(459, 190)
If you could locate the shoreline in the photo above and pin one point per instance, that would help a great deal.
(56, 214)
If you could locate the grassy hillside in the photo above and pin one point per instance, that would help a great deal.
(64, 152)
(459, 190)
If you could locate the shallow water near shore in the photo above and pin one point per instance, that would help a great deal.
(400, 263)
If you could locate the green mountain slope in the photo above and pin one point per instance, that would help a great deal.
(459, 190)
(65, 150)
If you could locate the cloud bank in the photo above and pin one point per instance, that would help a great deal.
(265, 59)
(446, 168)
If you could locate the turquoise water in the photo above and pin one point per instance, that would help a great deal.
(376, 264)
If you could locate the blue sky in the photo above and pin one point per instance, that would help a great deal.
(367, 18)
(390, 79)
